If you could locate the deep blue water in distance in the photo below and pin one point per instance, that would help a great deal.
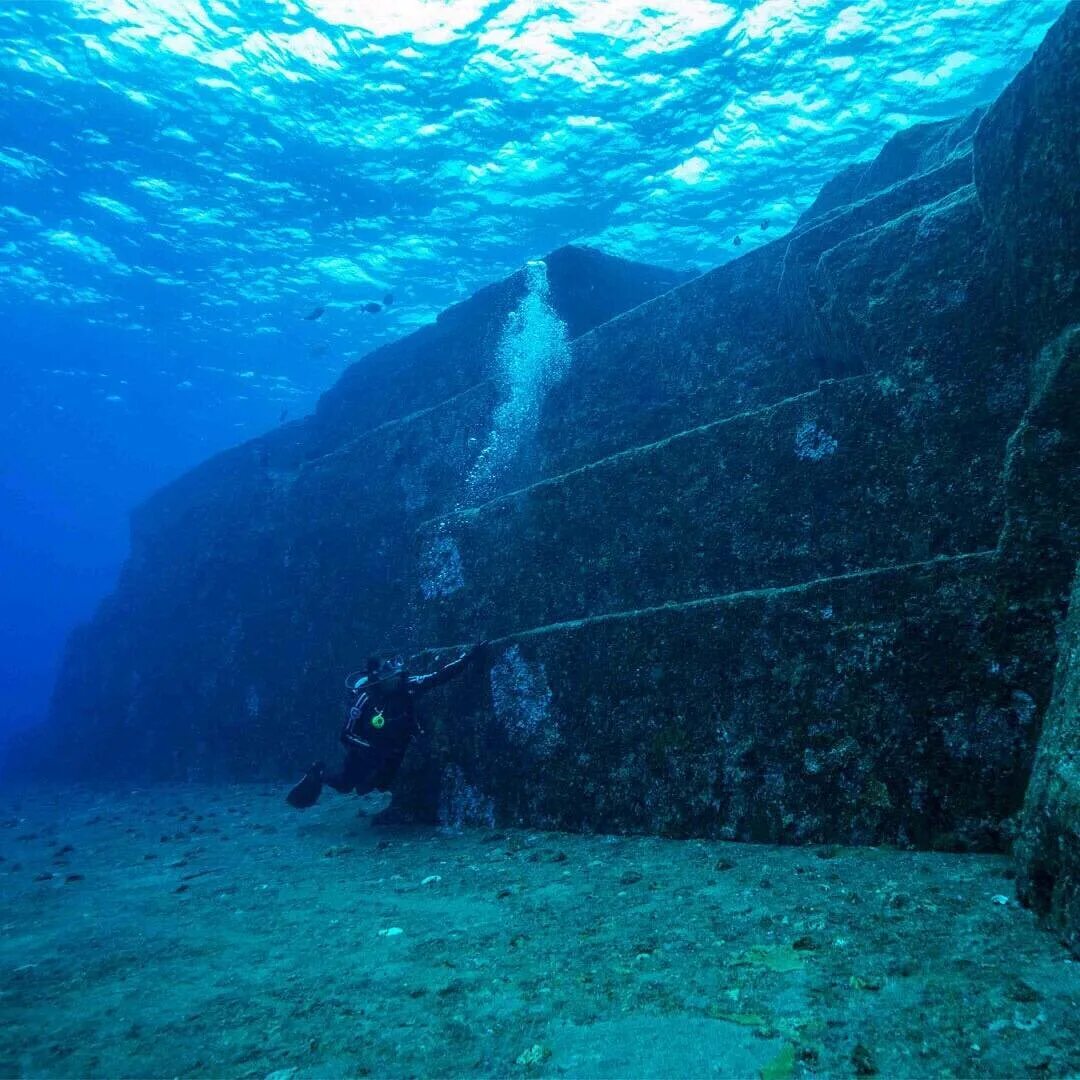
(182, 181)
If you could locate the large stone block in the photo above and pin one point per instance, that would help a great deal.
(866, 709)
(1027, 164)
(1039, 548)
(916, 296)
(918, 151)
(1048, 847)
(896, 284)
(812, 237)
(710, 348)
(854, 475)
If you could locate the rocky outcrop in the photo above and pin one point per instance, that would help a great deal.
(855, 474)
(919, 150)
(1026, 164)
(1043, 478)
(848, 709)
(763, 568)
(1048, 847)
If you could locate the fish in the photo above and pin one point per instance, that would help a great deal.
(765, 223)
(388, 299)
(737, 241)
(316, 314)
(372, 307)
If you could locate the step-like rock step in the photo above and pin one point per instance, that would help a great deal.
(868, 707)
(856, 474)
(771, 323)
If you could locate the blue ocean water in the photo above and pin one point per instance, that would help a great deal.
(182, 182)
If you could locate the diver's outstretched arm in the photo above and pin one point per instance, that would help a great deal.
(421, 684)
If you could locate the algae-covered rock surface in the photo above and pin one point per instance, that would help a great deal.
(206, 931)
(1048, 849)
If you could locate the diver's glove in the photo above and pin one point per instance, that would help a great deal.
(306, 793)
(478, 651)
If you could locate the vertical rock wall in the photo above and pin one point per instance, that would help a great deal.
(1048, 848)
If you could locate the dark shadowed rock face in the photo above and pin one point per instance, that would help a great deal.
(1043, 478)
(257, 580)
(783, 559)
(850, 709)
(1027, 160)
(1048, 848)
(918, 150)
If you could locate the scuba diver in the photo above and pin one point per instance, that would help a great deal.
(378, 728)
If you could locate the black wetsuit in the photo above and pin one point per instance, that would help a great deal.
(380, 726)
(377, 732)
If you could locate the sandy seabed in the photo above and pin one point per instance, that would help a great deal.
(213, 931)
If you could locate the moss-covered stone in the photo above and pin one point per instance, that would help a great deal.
(855, 475)
(1027, 159)
(874, 707)
(1048, 847)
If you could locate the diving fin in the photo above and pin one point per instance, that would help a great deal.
(306, 793)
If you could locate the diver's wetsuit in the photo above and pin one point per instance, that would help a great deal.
(377, 732)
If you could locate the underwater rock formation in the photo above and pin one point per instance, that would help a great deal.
(1048, 848)
(783, 556)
